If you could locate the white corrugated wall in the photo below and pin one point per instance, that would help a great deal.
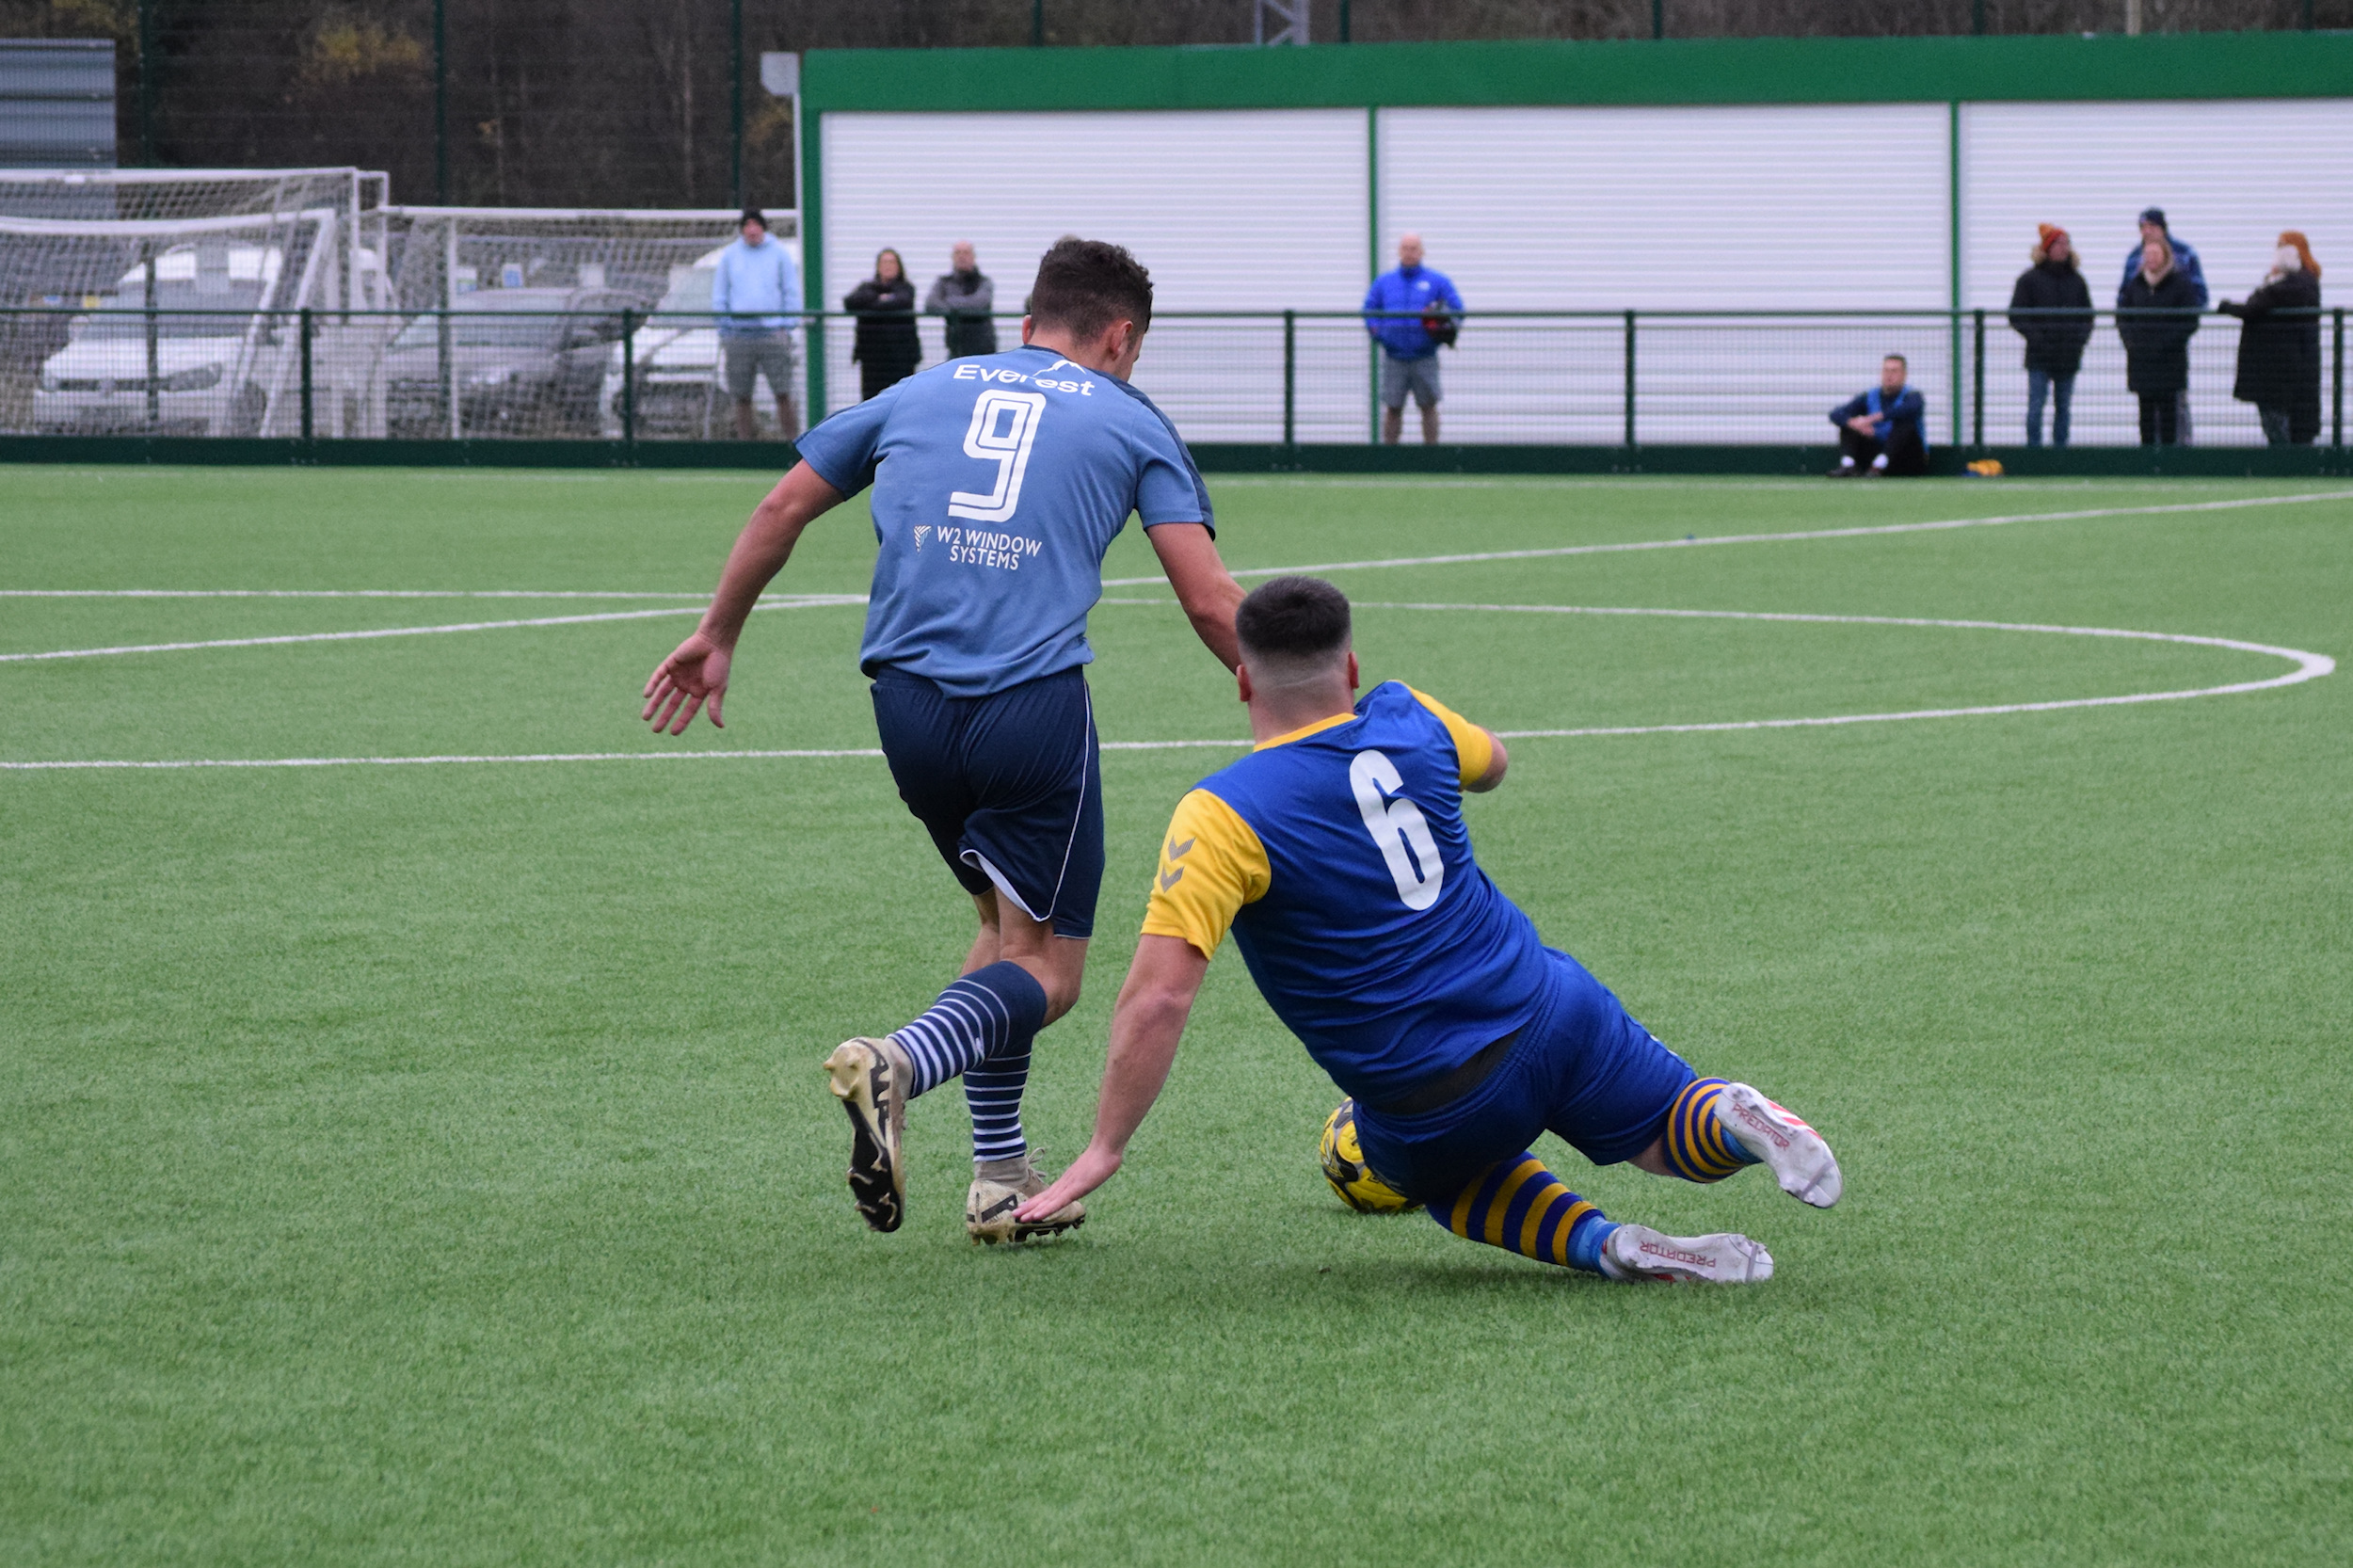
(2230, 176)
(1806, 207)
(1811, 207)
(1230, 210)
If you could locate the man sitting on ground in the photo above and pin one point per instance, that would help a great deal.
(1337, 854)
(1884, 431)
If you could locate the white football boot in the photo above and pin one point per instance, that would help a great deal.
(1001, 1186)
(1638, 1251)
(1798, 1158)
(871, 1077)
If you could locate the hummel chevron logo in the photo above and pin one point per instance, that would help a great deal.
(919, 534)
(1175, 852)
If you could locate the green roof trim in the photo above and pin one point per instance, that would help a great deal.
(1714, 71)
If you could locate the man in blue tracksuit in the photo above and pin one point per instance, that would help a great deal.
(1884, 431)
(1409, 312)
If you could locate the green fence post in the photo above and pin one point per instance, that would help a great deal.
(2336, 395)
(628, 377)
(1977, 388)
(1629, 379)
(305, 329)
(1657, 20)
(154, 346)
(1290, 377)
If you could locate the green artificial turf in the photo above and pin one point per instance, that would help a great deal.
(430, 1163)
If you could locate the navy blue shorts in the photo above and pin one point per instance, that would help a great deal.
(1583, 1070)
(1010, 785)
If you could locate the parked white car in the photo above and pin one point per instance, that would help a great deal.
(212, 372)
(681, 392)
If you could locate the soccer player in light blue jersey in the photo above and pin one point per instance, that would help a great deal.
(1337, 854)
(999, 482)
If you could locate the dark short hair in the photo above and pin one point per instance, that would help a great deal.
(1085, 285)
(2155, 216)
(1897, 358)
(1293, 619)
(752, 214)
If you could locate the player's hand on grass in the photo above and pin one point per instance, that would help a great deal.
(1090, 1171)
(696, 673)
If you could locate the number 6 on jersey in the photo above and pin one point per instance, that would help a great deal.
(1395, 826)
(1018, 413)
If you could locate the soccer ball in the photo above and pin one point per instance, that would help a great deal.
(1344, 1167)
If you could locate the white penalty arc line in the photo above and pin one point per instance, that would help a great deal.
(1874, 531)
(2308, 666)
(804, 602)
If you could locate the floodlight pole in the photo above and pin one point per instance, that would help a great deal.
(1344, 29)
(1657, 20)
(735, 94)
(441, 102)
(1037, 23)
(146, 84)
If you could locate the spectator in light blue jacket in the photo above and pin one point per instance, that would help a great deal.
(1409, 342)
(756, 300)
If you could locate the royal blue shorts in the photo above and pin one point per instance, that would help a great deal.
(1583, 1070)
(1009, 785)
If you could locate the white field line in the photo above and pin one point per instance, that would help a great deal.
(2308, 666)
(803, 603)
(1871, 532)
(345, 593)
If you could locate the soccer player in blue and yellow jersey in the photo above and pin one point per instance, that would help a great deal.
(999, 482)
(1337, 854)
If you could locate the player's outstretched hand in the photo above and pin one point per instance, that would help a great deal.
(694, 674)
(1090, 1171)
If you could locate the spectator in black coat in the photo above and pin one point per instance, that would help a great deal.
(886, 349)
(2278, 347)
(2157, 322)
(2051, 309)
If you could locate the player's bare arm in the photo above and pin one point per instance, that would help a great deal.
(697, 671)
(1204, 588)
(1146, 1024)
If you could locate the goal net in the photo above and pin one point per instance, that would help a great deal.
(167, 301)
(474, 275)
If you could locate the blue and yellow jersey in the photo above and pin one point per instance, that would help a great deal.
(1338, 857)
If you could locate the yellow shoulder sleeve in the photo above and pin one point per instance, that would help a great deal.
(1473, 752)
(1212, 864)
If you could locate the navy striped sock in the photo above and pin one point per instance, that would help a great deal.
(992, 1091)
(994, 1011)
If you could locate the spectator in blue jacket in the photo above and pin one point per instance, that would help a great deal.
(1884, 431)
(1409, 312)
(2186, 259)
(755, 301)
(2193, 272)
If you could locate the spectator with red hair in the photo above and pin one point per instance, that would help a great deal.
(2051, 309)
(2278, 345)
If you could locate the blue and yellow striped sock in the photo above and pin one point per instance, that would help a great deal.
(1697, 1146)
(1521, 1207)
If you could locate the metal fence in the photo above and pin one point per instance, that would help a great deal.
(590, 364)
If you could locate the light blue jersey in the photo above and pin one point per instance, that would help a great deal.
(1000, 481)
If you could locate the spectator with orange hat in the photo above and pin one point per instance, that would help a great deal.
(2278, 345)
(2051, 309)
